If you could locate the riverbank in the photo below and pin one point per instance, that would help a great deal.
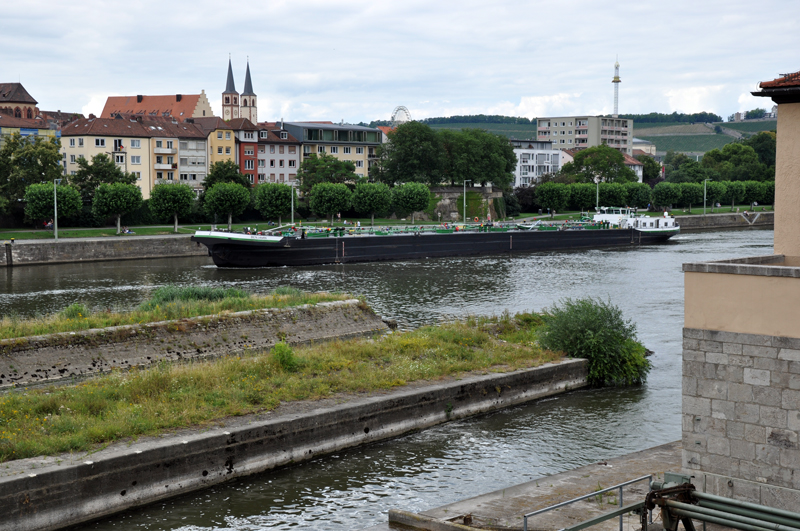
(504, 509)
(728, 220)
(49, 493)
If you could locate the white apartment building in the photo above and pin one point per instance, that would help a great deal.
(581, 132)
(534, 159)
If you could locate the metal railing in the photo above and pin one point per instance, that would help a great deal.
(600, 519)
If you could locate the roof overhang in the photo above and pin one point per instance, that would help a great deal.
(780, 94)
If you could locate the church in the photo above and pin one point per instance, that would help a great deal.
(235, 105)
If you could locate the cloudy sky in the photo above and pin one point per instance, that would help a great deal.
(356, 61)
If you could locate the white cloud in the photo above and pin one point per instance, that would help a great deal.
(694, 99)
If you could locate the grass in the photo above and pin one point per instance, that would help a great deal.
(167, 303)
(691, 143)
(752, 127)
(520, 131)
(40, 234)
(126, 405)
(675, 129)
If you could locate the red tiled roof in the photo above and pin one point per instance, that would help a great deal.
(630, 161)
(131, 128)
(241, 124)
(15, 93)
(273, 137)
(211, 123)
(153, 105)
(637, 152)
(7, 120)
(788, 80)
(386, 129)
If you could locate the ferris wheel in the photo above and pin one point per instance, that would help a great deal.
(400, 115)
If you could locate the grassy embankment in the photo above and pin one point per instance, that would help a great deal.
(145, 402)
(167, 303)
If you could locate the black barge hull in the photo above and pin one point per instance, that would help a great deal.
(350, 249)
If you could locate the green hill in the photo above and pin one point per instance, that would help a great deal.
(522, 131)
(699, 143)
(751, 127)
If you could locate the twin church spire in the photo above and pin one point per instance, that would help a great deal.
(235, 105)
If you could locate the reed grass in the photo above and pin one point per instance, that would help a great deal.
(126, 405)
(166, 303)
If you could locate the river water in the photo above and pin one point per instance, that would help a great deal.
(354, 489)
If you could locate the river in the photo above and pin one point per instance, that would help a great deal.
(354, 489)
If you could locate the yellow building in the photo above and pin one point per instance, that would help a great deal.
(10, 125)
(221, 139)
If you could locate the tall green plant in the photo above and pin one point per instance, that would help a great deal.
(596, 330)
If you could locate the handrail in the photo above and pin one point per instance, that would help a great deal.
(602, 491)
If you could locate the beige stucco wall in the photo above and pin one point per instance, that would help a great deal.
(787, 181)
(749, 304)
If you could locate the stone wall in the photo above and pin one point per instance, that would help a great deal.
(726, 221)
(29, 252)
(449, 207)
(741, 415)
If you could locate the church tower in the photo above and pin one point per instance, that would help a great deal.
(248, 109)
(230, 98)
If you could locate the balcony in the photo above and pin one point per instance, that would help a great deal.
(163, 166)
(164, 151)
(543, 128)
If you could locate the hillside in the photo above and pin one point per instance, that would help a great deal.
(520, 131)
(752, 127)
(679, 129)
(688, 143)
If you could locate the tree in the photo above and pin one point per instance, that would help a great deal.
(734, 192)
(769, 193)
(39, 201)
(411, 197)
(115, 200)
(101, 170)
(715, 191)
(666, 194)
(764, 144)
(599, 162)
(691, 194)
(324, 168)
(691, 172)
(329, 198)
(755, 114)
(226, 198)
(613, 194)
(754, 192)
(639, 194)
(370, 198)
(274, 200)
(493, 158)
(169, 201)
(553, 196)
(674, 160)
(413, 153)
(526, 195)
(652, 170)
(25, 161)
(582, 196)
(226, 171)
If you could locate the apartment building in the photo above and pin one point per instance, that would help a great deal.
(278, 154)
(353, 143)
(534, 159)
(220, 138)
(10, 125)
(246, 136)
(581, 132)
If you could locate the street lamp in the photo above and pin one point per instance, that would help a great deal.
(292, 191)
(55, 208)
(705, 187)
(465, 199)
(597, 200)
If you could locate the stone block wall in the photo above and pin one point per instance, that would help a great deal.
(741, 415)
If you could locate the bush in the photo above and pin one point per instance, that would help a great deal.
(285, 357)
(595, 330)
(75, 310)
(167, 294)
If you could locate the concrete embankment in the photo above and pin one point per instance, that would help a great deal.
(70, 355)
(731, 220)
(31, 252)
(56, 492)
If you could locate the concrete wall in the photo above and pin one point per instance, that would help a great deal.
(726, 221)
(30, 252)
(741, 415)
(53, 493)
(787, 183)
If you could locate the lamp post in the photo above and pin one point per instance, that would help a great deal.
(56, 182)
(293, 203)
(705, 187)
(597, 199)
(465, 199)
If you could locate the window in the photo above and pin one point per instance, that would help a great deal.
(284, 135)
(138, 175)
(306, 150)
(169, 144)
(136, 159)
(248, 135)
(219, 135)
(281, 178)
(159, 175)
(347, 150)
(280, 163)
(159, 143)
(262, 149)
(272, 163)
(563, 124)
(262, 163)
(227, 151)
(250, 178)
(272, 149)
(80, 142)
(73, 173)
(359, 151)
(280, 150)
(170, 175)
(292, 150)
(249, 164)
(320, 149)
(136, 144)
(563, 141)
(227, 135)
(272, 177)
(159, 159)
(292, 163)
(263, 134)
(359, 164)
(183, 145)
(262, 177)
(292, 176)
(570, 124)
(248, 150)
(184, 176)
(184, 161)
(119, 159)
(219, 150)
(72, 159)
(334, 150)
(570, 141)
(170, 160)
(99, 142)
(71, 142)
(569, 132)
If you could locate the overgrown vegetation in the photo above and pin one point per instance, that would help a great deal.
(141, 402)
(596, 330)
(166, 303)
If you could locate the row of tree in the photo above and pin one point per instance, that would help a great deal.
(584, 196)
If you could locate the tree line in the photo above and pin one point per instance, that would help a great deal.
(657, 117)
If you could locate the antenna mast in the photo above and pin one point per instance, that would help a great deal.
(616, 82)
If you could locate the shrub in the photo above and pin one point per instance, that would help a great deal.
(596, 330)
(287, 290)
(285, 357)
(168, 294)
(75, 310)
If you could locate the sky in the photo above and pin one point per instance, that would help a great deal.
(357, 61)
